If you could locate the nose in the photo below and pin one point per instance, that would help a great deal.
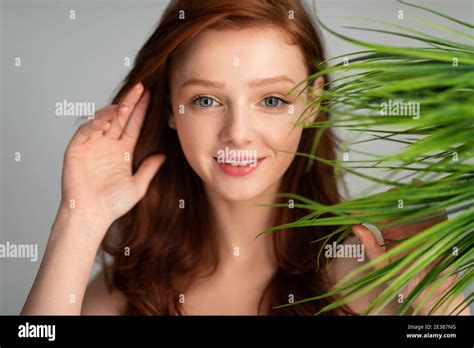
(237, 128)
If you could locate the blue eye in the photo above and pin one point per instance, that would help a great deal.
(204, 102)
(274, 102)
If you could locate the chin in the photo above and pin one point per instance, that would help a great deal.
(238, 191)
(238, 188)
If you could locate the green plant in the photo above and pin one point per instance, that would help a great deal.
(437, 147)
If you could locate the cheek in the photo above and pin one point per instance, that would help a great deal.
(283, 135)
(197, 138)
(293, 139)
(284, 140)
(290, 146)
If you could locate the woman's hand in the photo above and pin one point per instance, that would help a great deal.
(373, 250)
(97, 180)
(97, 188)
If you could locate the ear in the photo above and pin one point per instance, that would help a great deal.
(314, 92)
(172, 121)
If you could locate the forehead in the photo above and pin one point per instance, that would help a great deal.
(239, 54)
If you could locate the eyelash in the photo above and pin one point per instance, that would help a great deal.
(284, 101)
(195, 99)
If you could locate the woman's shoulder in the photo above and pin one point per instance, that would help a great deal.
(99, 300)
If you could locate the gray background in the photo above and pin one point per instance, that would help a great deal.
(83, 60)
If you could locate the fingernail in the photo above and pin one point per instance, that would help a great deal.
(357, 231)
(376, 232)
(123, 109)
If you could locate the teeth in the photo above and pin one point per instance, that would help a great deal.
(240, 163)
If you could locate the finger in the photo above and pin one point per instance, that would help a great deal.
(373, 249)
(87, 130)
(83, 132)
(135, 121)
(125, 108)
(401, 232)
(147, 171)
(107, 113)
(406, 231)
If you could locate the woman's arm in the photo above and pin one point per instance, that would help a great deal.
(64, 272)
(98, 187)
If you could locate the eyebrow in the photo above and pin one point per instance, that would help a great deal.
(270, 81)
(252, 84)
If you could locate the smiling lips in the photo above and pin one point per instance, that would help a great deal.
(239, 168)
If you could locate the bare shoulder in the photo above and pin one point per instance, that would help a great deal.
(98, 300)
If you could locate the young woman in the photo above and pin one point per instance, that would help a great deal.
(180, 170)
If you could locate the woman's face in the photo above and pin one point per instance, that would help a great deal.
(232, 113)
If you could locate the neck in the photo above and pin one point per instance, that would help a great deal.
(237, 225)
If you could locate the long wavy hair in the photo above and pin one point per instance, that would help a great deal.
(169, 247)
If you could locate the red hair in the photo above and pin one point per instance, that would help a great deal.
(169, 247)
